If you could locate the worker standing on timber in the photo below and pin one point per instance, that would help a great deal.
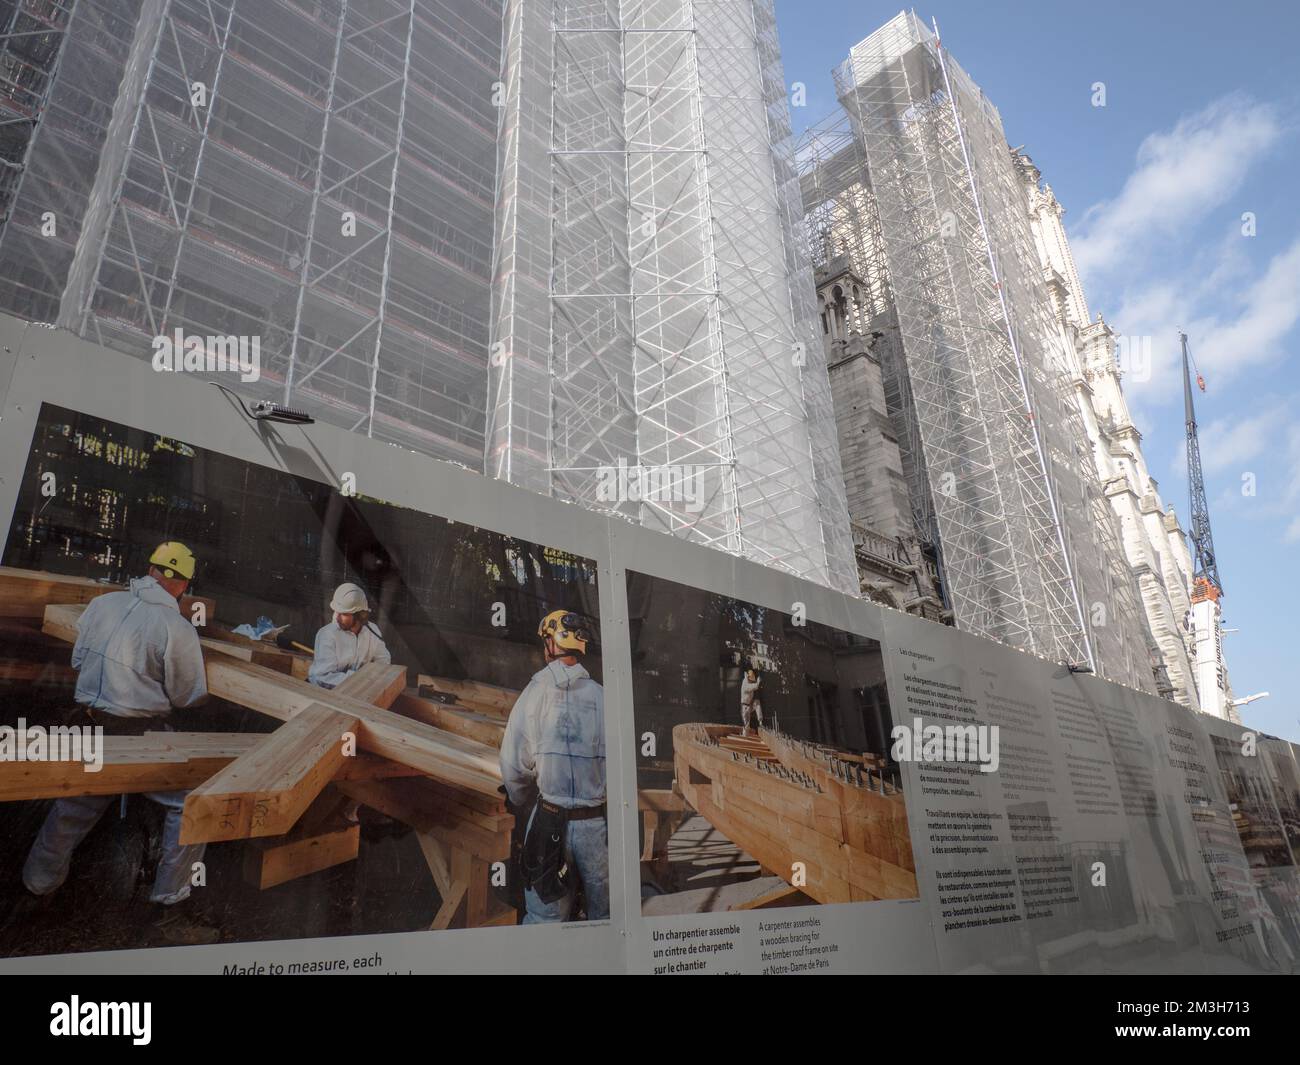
(751, 702)
(553, 767)
(348, 641)
(137, 658)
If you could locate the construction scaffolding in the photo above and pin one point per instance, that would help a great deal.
(317, 175)
(916, 184)
(843, 225)
(653, 303)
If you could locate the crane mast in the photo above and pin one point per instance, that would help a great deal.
(1212, 687)
(1207, 566)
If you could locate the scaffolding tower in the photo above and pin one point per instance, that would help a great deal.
(916, 183)
(653, 303)
(317, 174)
(844, 225)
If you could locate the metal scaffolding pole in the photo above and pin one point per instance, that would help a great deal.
(318, 180)
(222, 44)
(388, 229)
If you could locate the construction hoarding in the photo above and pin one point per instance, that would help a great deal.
(795, 780)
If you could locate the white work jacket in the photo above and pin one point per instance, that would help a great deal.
(137, 656)
(555, 740)
(340, 653)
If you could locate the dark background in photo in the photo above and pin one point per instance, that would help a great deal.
(690, 649)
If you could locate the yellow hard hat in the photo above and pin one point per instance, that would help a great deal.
(566, 629)
(174, 559)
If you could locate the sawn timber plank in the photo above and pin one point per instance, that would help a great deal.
(265, 790)
(434, 752)
(25, 593)
(156, 761)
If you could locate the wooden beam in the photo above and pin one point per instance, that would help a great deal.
(60, 621)
(845, 835)
(416, 803)
(259, 654)
(467, 723)
(264, 791)
(661, 800)
(156, 761)
(25, 593)
(268, 863)
(464, 898)
(159, 761)
(367, 766)
(375, 683)
(28, 672)
(473, 695)
(438, 754)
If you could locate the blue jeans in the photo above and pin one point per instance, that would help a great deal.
(586, 851)
(70, 821)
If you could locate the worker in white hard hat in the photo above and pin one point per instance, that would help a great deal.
(349, 641)
(553, 768)
(137, 658)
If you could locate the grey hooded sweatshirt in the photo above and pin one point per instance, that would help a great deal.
(555, 739)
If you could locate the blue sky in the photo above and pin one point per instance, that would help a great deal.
(1199, 128)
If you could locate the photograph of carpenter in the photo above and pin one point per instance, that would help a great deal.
(763, 770)
(305, 714)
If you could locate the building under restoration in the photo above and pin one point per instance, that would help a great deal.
(653, 298)
(936, 308)
(318, 175)
(564, 240)
(597, 201)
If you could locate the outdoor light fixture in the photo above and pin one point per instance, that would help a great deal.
(265, 411)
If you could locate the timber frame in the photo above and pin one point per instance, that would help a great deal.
(429, 763)
(806, 812)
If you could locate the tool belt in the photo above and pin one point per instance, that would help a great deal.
(543, 863)
(116, 724)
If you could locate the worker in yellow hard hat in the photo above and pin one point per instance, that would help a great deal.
(173, 560)
(137, 658)
(553, 768)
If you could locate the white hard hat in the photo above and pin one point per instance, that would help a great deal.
(348, 599)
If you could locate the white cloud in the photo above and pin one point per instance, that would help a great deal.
(1232, 328)
(1181, 175)
(1265, 445)
(1165, 255)
(1227, 443)
(1236, 316)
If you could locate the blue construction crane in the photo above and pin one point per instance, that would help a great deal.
(1205, 578)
